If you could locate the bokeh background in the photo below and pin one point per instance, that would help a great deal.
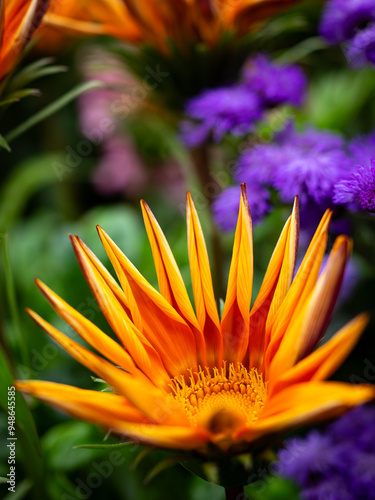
(58, 181)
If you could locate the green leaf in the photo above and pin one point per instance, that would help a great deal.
(27, 438)
(52, 108)
(301, 50)
(164, 464)
(97, 446)
(3, 143)
(24, 181)
(21, 491)
(12, 302)
(58, 445)
(3, 480)
(35, 70)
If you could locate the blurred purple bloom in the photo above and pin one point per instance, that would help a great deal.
(218, 112)
(342, 18)
(257, 164)
(362, 149)
(361, 49)
(337, 464)
(226, 205)
(358, 187)
(275, 84)
(309, 164)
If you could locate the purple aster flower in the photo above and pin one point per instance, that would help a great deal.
(361, 49)
(342, 18)
(309, 164)
(327, 489)
(358, 187)
(218, 112)
(303, 457)
(362, 149)
(227, 203)
(337, 464)
(257, 164)
(275, 84)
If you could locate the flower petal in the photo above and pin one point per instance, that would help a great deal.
(320, 364)
(203, 291)
(87, 330)
(163, 327)
(153, 402)
(306, 403)
(170, 280)
(102, 408)
(141, 351)
(300, 288)
(310, 320)
(235, 319)
(275, 285)
(164, 436)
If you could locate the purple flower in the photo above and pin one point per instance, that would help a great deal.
(358, 187)
(362, 149)
(257, 164)
(303, 457)
(342, 18)
(337, 464)
(275, 84)
(361, 49)
(218, 112)
(309, 164)
(227, 203)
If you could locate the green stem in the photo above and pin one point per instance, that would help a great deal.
(235, 493)
(12, 301)
(209, 185)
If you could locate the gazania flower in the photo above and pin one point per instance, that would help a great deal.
(186, 379)
(18, 21)
(156, 23)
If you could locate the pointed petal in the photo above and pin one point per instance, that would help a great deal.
(235, 319)
(170, 280)
(87, 256)
(163, 327)
(275, 285)
(321, 363)
(203, 291)
(175, 437)
(306, 403)
(154, 403)
(87, 330)
(311, 318)
(102, 408)
(300, 289)
(141, 351)
(288, 265)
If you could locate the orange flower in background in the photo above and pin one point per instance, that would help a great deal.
(188, 379)
(19, 20)
(158, 22)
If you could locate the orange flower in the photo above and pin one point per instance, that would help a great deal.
(187, 379)
(157, 22)
(18, 21)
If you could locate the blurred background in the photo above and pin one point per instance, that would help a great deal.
(90, 163)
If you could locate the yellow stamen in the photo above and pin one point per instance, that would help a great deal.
(221, 391)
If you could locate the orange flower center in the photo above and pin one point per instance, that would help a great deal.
(221, 399)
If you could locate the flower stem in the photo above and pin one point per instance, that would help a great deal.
(235, 493)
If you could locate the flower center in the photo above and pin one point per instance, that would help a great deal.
(222, 397)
